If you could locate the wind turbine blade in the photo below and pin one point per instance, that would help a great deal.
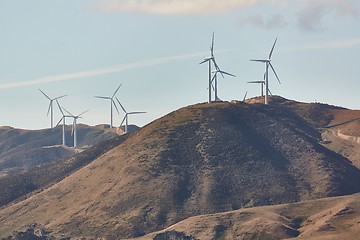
(275, 73)
(212, 85)
(215, 64)
(259, 60)
(217, 67)
(57, 102)
(113, 102)
(116, 91)
(60, 121)
(45, 94)
(102, 97)
(212, 44)
(260, 81)
(68, 112)
(226, 73)
(59, 97)
(136, 112)
(123, 120)
(272, 49)
(213, 78)
(122, 107)
(245, 96)
(82, 113)
(270, 92)
(204, 61)
(49, 108)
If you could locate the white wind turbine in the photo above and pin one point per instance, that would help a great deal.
(262, 84)
(209, 60)
(112, 103)
(63, 120)
(126, 117)
(51, 106)
(267, 64)
(74, 132)
(214, 79)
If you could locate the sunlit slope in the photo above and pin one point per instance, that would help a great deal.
(328, 218)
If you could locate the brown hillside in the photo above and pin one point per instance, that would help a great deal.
(201, 159)
(342, 134)
(340, 127)
(329, 218)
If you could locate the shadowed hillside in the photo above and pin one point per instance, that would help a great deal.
(201, 159)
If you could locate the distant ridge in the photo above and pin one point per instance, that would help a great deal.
(20, 148)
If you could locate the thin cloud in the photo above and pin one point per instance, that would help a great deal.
(96, 72)
(344, 43)
(275, 22)
(312, 17)
(173, 6)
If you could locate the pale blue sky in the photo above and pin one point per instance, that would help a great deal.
(153, 47)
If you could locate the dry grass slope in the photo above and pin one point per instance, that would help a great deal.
(329, 218)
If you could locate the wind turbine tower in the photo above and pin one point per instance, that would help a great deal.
(112, 103)
(126, 117)
(50, 109)
(64, 123)
(267, 64)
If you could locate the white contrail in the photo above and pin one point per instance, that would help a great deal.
(100, 71)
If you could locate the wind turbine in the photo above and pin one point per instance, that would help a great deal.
(267, 64)
(214, 79)
(112, 103)
(209, 60)
(62, 119)
(262, 83)
(51, 106)
(126, 117)
(74, 125)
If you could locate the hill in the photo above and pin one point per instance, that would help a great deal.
(335, 218)
(202, 159)
(21, 149)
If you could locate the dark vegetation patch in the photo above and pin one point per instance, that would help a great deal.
(35, 232)
(173, 235)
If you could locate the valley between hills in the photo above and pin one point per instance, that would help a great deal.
(225, 170)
